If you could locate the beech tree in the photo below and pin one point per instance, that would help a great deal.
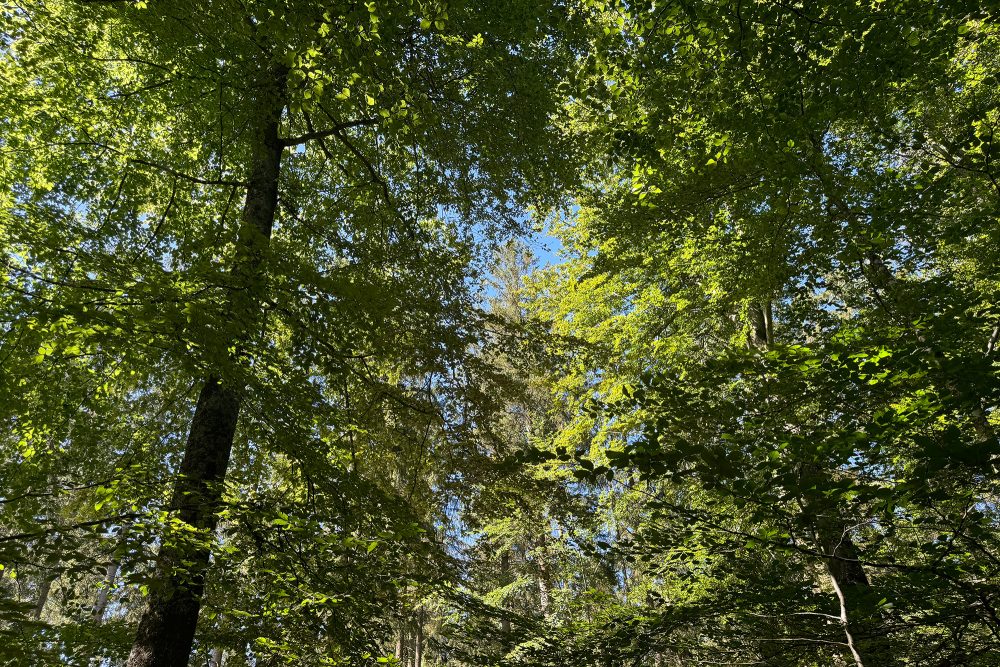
(766, 274)
(264, 202)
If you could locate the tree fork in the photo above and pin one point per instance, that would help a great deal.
(166, 629)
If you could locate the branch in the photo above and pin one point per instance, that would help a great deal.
(75, 526)
(51, 281)
(186, 177)
(376, 177)
(322, 134)
(43, 494)
(326, 151)
(155, 165)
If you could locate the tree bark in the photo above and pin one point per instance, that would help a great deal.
(43, 596)
(859, 616)
(418, 639)
(102, 595)
(166, 629)
(402, 653)
(859, 619)
(504, 581)
(544, 585)
(761, 327)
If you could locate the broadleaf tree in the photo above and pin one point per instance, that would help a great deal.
(280, 387)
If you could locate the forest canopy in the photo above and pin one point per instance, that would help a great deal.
(480, 333)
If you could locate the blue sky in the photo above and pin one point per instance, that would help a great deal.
(545, 247)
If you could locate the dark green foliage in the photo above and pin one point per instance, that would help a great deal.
(748, 418)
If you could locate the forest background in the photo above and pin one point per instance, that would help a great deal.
(281, 381)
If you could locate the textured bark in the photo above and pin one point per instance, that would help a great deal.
(166, 629)
(761, 328)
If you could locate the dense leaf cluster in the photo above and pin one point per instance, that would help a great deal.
(282, 383)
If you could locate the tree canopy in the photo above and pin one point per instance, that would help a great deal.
(284, 380)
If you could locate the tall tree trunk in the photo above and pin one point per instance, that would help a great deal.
(761, 337)
(505, 579)
(858, 616)
(418, 639)
(402, 641)
(761, 329)
(544, 586)
(543, 574)
(167, 626)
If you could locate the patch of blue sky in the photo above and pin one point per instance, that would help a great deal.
(544, 247)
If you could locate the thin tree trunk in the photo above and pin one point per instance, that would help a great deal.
(418, 639)
(544, 586)
(402, 647)
(166, 629)
(218, 655)
(105, 592)
(101, 607)
(505, 580)
(43, 596)
(761, 337)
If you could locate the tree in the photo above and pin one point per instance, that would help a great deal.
(761, 266)
(340, 133)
